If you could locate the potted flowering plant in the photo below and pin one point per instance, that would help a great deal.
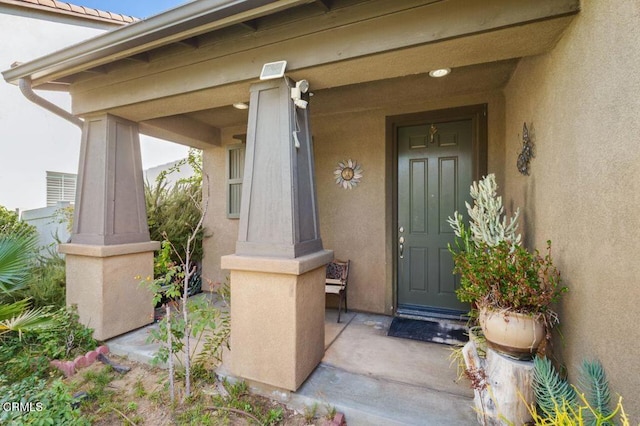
(511, 289)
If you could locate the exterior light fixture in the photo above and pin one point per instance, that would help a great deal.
(240, 105)
(440, 72)
(301, 88)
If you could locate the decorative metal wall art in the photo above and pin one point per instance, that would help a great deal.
(527, 152)
(348, 174)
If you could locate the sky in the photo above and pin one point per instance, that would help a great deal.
(137, 8)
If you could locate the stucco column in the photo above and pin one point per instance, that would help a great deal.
(277, 273)
(110, 249)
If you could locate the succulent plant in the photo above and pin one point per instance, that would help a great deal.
(488, 224)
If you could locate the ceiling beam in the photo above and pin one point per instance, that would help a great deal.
(139, 57)
(190, 42)
(324, 4)
(183, 130)
(251, 24)
(102, 69)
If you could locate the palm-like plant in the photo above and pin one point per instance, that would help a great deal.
(18, 317)
(16, 252)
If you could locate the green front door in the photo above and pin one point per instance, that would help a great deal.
(435, 168)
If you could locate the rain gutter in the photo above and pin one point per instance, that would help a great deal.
(189, 20)
(27, 91)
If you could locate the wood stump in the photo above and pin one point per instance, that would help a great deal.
(502, 387)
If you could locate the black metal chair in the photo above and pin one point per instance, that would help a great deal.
(336, 282)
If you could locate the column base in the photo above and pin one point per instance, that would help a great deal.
(277, 317)
(103, 281)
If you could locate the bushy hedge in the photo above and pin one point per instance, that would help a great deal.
(10, 223)
(173, 211)
(28, 354)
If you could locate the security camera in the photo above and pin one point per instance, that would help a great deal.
(301, 103)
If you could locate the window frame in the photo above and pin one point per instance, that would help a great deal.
(233, 181)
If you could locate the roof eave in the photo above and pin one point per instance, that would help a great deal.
(186, 21)
(109, 18)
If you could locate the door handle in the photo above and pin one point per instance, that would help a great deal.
(401, 240)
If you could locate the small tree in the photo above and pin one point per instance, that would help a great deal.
(198, 319)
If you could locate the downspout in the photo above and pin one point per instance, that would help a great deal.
(27, 91)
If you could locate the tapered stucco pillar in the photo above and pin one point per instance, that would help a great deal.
(277, 273)
(110, 249)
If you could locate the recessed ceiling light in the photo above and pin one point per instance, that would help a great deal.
(240, 105)
(440, 72)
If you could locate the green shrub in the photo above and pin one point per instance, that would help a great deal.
(508, 277)
(29, 354)
(46, 284)
(174, 211)
(45, 404)
(11, 224)
(209, 325)
(16, 255)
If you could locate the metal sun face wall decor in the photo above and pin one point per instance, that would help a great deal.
(526, 154)
(348, 174)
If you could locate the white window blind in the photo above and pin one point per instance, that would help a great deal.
(235, 172)
(60, 187)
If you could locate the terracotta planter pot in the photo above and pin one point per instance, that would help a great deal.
(511, 333)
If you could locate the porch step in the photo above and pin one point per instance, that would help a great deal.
(377, 401)
(372, 401)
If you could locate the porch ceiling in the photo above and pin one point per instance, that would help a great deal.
(179, 72)
(485, 77)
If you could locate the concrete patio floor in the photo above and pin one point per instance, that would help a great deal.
(372, 378)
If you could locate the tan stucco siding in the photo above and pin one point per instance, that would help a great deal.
(221, 233)
(584, 190)
(352, 222)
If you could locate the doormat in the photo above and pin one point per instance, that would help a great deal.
(449, 333)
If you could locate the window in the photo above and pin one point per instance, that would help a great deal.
(235, 172)
(60, 187)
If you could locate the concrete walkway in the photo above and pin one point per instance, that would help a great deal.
(370, 377)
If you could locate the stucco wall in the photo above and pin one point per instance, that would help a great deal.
(221, 233)
(357, 223)
(584, 190)
(352, 222)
